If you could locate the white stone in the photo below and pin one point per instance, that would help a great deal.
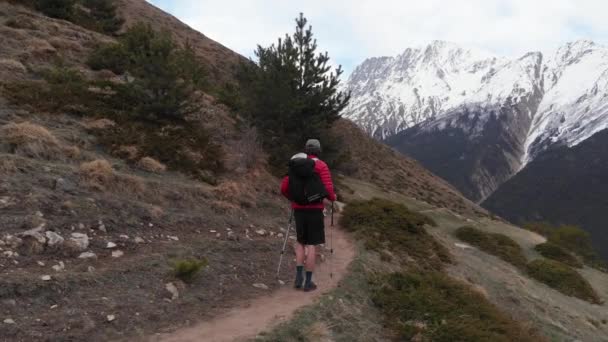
(53, 238)
(172, 289)
(117, 254)
(80, 241)
(40, 263)
(60, 267)
(54, 306)
(111, 318)
(462, 245)
(111, 245)
(174, 238)
(261, 232)
(87, 255)
(260, 286)
(35, 233)
(124, 237)
(46, 277)
(139, 240)
(9, 321)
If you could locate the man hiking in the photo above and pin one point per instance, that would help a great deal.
(306, 186)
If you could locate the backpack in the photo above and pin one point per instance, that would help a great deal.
(305, 185)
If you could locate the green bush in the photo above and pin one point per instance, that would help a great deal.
(442, 309)
(111, 57)
(552, 251)
(61, 9)
(187, 269)
(562, 278)
(383, 224)
(496, 244)
(97, 15)
(572, 238)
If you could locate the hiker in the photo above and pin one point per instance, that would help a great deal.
(307, 184)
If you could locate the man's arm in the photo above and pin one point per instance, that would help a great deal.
(326, 179)
(285, 187)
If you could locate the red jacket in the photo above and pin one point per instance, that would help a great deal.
(323, 170)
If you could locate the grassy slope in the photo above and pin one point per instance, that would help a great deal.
(559, 317)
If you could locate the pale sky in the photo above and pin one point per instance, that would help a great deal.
(354, 30)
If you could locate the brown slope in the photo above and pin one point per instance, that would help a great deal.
(379, 164)
(220, 60)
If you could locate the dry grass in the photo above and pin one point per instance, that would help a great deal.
(99, 124)
(40, 47)
(64, 44)
(129, 152)
(99, 175)
(7, 166)
(235, 193)
(151, 165)
(34, 141)
(12, 65)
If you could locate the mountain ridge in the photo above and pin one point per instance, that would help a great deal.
(522, 105)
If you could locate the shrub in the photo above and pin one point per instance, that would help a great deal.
(184, 148)
(64, 91)
(563, 278)
(383, 224)
(572, 238)
(29, 140)
(100, 16)
(98, 174)
(151, 165)
(430, 306)
(187, 269)
(552, 251)
(496, 244)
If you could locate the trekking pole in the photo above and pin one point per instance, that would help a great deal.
(331, 242)
(285, 243)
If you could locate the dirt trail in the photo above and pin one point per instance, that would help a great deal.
(264, 313)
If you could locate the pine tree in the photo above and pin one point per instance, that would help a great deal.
(291, 94)
(103, 16)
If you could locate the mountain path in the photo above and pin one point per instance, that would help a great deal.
(264, 313)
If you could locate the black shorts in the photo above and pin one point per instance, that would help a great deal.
(310, 226)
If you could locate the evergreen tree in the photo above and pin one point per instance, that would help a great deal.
(164, 79)
(291, 94)
(102, 16)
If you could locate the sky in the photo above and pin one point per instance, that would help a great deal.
(351, 31)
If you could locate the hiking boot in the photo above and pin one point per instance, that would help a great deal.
(299, 281)
(310, 287)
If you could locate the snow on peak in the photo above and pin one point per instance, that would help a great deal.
(428, 82)
(391, 94)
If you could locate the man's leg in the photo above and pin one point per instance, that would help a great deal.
(311, 258)
(316, 237)
(299, 251)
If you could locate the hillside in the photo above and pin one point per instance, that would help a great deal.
(114, 227)
(574, 195)
(90, 237)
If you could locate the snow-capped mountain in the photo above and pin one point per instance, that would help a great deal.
(475, 118)
(575, 100)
